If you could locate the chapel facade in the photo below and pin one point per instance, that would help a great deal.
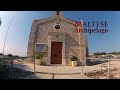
(55, 36)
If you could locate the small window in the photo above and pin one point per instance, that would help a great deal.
(40, 47)
(57, 26)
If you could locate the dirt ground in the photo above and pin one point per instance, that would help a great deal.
(103, 74)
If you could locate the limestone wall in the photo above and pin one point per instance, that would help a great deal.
(39, 34)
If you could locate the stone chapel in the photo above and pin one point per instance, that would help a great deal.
(56, 37)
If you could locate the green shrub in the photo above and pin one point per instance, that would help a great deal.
(39, 56)
(74, 58)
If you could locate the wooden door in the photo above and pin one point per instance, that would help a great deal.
(56, 53)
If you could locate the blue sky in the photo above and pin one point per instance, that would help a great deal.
(18, 35)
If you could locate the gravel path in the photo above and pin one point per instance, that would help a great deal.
(69, 72)
(57, 69)
(57, 72)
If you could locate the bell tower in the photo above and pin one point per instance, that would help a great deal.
(57, 13)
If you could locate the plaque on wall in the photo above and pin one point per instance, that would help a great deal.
(40, 47)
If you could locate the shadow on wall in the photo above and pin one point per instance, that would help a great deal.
(70, 42)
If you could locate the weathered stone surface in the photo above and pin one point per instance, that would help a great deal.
(43, 31)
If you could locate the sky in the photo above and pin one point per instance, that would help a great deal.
(18, 35)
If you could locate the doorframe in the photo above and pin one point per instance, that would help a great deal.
(52, 39)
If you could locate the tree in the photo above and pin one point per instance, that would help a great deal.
(99, 53)
(1, 53)
(115, 53)
(16, 56)
(103, 53)
(9, 55)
